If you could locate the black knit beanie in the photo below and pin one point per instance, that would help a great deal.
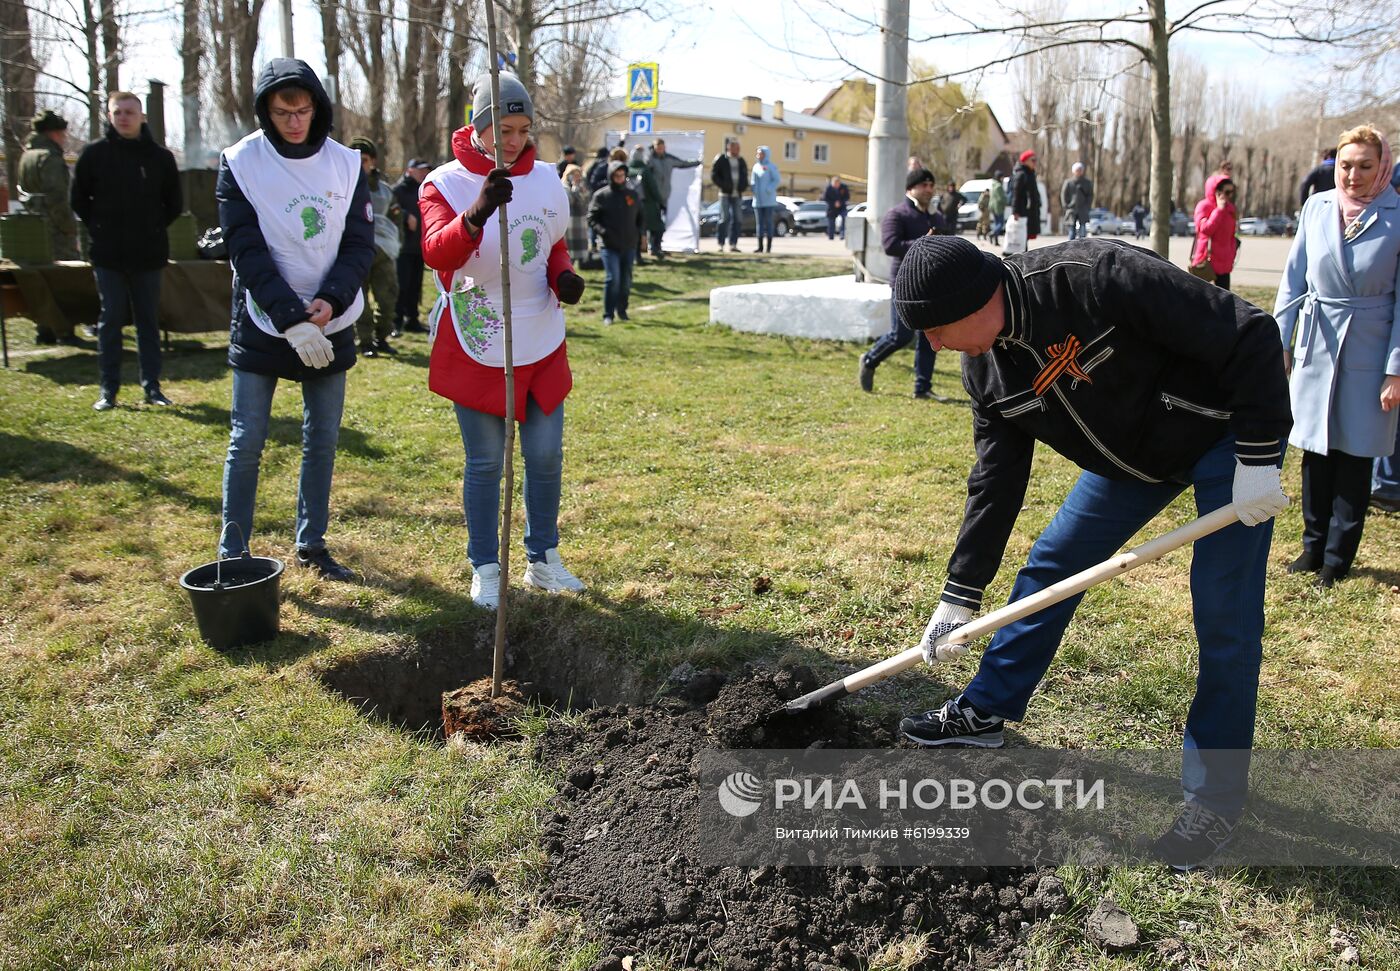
(943, 279)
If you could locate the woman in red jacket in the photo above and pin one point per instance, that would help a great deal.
(461, 242)
(1215, 231)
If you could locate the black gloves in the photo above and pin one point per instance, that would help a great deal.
(495, 192)
(570, 287)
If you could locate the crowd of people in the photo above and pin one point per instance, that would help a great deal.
(1150, 379)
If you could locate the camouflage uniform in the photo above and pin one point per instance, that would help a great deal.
(44, 180)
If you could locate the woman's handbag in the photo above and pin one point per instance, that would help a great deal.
(1202, 268)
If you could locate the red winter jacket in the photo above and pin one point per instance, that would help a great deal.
(1215, 227)
(447, 243)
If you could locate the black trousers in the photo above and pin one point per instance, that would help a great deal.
(410, 271)
(1336, 491)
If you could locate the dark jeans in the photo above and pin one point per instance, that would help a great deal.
(897, 339)
(123, 295)
(1222, 280)
(656, 235)
(617, 280)
(731, 217)
(1227, 598)
(1336, 491)
(410, 267)
(832, 218)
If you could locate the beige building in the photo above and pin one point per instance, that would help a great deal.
(808, 150)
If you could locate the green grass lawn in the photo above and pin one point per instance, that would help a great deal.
(163, 805)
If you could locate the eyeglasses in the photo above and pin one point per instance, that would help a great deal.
(301, 114)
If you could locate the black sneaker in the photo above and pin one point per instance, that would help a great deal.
(105, 402)
(1328, 576)
(1196, 836)
(414, 327)
(622, 315)
(384, 347)
(323, 563)
(367, 350)
(1385, 503)
(956, 723)
(154, 397)
(866, 376)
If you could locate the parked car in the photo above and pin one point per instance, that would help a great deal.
(810, 218)
(791, 203)
(782, 220)
(1101, 221)
(971, 191)
(1252, 226)
(1278, 225)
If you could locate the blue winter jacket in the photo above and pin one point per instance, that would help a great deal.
(765, 179)
(250, 349)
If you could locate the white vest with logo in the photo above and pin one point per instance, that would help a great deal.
(301, 205)
(538, 216)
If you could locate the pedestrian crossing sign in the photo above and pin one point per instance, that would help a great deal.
(643, 85)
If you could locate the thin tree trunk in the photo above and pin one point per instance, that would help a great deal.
(191, 53)
(1161, 129)
(111, 47)
(94, 70)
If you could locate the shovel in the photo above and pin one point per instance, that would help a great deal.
(1114, 566)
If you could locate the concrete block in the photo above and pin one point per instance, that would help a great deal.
(828, 308)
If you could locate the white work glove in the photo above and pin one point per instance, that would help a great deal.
(946, 619)
(311, 345)
(1258, 493)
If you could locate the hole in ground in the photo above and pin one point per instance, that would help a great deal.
(404, 681)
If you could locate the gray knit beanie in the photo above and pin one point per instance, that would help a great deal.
(943, 279)
(515, 100)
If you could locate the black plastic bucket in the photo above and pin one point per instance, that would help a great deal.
(236, 601)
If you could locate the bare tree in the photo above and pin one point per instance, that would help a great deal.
(232, 39)
(19, 70)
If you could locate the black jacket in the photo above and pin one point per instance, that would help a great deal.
(1320, 179)
(406, 195)
(1124, 364)
(127, 190)
(253, 266)
(724, 179)
(901, 226)
(1025, 198)
(597, 176)
(615, 213)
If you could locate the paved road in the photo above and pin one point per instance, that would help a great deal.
(1260, 263)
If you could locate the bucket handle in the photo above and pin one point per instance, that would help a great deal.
(218, 555)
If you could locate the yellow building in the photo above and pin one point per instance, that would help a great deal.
(809, 150)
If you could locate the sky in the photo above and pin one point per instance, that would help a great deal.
(776, 49)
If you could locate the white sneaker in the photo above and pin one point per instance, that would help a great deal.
(551, 574)
(486, 585)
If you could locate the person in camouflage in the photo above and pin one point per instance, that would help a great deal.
(44, 182)
(374, 326)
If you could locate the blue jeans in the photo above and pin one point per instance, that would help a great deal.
(731, 217)
(323, 400)
(1227, 592)
(617, 281)
(764, 217)
(1385, 474)
(899, 337)
(1078, 228)
(542, 448)
(123, 296)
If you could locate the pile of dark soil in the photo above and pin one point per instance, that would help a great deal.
(622, 844)
(471, 711)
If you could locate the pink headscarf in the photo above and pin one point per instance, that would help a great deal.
(1351, 206)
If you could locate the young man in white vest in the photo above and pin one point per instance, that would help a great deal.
(296, 215)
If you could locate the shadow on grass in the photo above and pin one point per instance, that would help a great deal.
(193, 362)
(46, 460)
(282, 429)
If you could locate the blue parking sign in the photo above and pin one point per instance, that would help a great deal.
(641, 123)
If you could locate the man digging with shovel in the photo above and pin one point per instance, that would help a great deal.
(1151, 381)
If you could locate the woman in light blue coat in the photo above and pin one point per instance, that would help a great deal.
(765, 180)
(1340, 325)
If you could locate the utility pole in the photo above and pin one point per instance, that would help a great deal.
(889, 131)
(287, 49)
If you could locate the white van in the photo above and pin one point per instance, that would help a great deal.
(972, 190)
